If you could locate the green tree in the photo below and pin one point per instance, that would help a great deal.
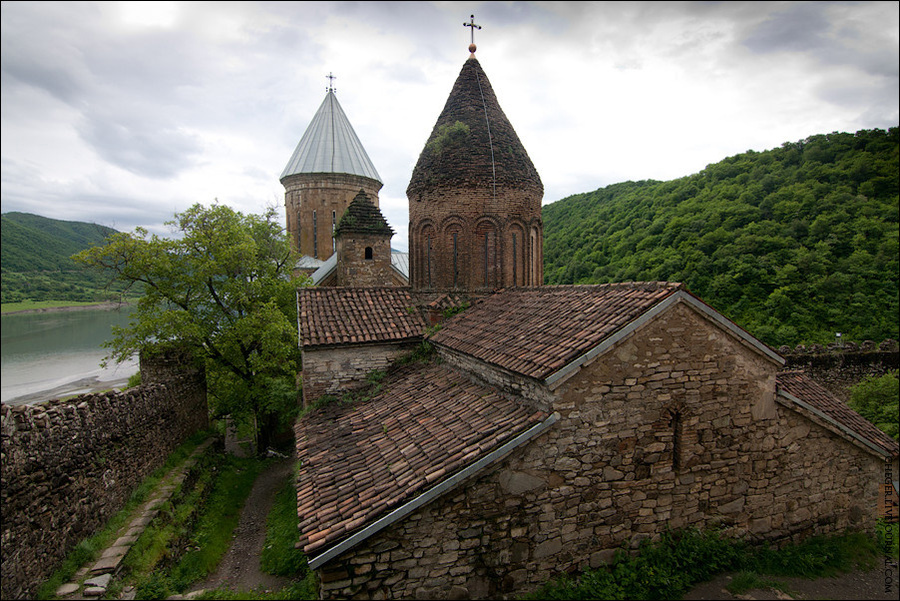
(876, 398)
(222, 288)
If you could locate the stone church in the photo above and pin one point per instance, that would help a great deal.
(542, 427)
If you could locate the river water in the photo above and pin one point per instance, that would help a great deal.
(56, 354)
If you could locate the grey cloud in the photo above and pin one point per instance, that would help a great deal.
(48, 59)
(24, 190)
(141, 147)
(801, 27)
(877, 104)
(805, 28)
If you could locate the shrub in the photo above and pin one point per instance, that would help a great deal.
(877, 398)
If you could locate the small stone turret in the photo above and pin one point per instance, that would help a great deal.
(363, 244)
(474, 197)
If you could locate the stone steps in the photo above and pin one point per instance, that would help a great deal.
(102, 572)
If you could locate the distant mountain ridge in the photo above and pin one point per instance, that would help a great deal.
(36, 259)
(35, 243)
(795, 244)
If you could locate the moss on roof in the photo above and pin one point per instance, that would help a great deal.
(473, 144)
(363, 217)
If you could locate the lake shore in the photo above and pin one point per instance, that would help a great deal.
(82, 386)
(58, 352)
(108, 306)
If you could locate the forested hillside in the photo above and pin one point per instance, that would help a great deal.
(36, 261)
(794, 244)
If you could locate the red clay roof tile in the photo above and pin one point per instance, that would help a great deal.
(537, 331)
(330, 316)
(360, 460)
(796, 384)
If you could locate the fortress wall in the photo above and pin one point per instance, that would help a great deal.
(838, 368)
(69, 465)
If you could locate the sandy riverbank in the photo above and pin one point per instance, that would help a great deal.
(110, 306)
(82, 386)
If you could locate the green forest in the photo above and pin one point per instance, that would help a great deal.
(36, 260)
(794, 244)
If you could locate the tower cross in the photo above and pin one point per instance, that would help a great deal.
(330, 79)
(472, 24)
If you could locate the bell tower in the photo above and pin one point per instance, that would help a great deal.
(326, 171)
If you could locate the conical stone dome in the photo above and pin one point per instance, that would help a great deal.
(473, 144)
(474, 198)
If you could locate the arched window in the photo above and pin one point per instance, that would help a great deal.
(516, 247)
(368, 253)
(455, 259)
(451, 255)
(488, 261)
(426, 256)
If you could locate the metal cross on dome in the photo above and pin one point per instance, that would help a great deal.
(330, 79)
(472, 24)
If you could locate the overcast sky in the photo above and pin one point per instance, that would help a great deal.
(124, 113)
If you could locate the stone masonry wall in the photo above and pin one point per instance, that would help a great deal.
(529, 390)
(314, 204)
(474, 230)
(354, 269)
(69, 465)
(675, 427)
(334, 370)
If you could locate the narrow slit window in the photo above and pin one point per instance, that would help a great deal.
(677, 442)
(455, 259)
(429, 261)
(486, 260)
(515, 261)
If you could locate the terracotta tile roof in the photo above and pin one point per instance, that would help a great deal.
(796, 384)
(363, 460)
(450, 300)
(537, 331)
(357, 315)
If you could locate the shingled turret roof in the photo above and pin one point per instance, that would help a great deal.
(473, 144)
(363, 217)
(330, 145)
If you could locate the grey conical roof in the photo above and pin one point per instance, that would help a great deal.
(330, 145)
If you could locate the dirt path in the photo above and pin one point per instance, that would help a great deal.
(239, 569)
